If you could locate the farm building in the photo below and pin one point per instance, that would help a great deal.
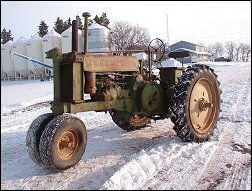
(196, 52)
(21, 66)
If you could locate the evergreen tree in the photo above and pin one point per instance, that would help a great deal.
(104, 21)
(68, 23)
(90, 22)
(43, 28)
(6, 36)
(80, 23)
(97, 19)
(59, 25)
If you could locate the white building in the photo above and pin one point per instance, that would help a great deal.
(66, 41)
(34, 51)
(20, 64)
(97, 38)
(50, 41)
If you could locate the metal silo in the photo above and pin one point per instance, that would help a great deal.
(7, 61)
(34, 51)
(97, 38)
(66, 40)
(50, 41)
(1, 63)
(20, 64)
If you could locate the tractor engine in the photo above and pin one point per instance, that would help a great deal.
(108, 87)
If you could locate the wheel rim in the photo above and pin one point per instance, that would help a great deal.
(203, 106)
(137, 118)
(67, 144)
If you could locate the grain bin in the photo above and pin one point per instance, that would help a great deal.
(1, 63)
(20, 64)
(97, 38)
(34, 51)
(7, 61)
(66, 39)
(50, 41)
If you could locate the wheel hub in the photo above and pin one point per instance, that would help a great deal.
(137, 118)
(203, 104)
(202, 108)
(67, 144)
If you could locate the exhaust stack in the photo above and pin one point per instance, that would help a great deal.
(86, 15)
(75, 25)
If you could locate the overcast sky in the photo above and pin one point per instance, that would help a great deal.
(201, 21)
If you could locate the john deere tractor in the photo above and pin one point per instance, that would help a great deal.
(125, 88)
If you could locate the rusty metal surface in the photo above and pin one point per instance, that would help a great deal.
(86, 15)
(75, 35)
(90, 81)
(123, 105)
(71, 78)
(72, 57)
(110, 63)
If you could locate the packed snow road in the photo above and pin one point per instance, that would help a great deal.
(150, 158)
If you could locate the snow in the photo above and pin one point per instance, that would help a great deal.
(171, 62)
(150, 158)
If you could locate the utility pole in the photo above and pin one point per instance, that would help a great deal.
(168, 46)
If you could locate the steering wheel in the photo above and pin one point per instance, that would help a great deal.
(157, 47)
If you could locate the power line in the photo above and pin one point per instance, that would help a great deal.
(168, 35)
(243, 38)
(216, 35)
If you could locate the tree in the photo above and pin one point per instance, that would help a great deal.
(237, 52)
(209, 48)
(103, 20)
(230, 47)
(247, 51)
(69, 23)
(80, 23)
(243, 51)
(59, 25)
(6, 36)
(90, 22)
(97, 19)
(43, 28)
(124, 36)
(218, 48)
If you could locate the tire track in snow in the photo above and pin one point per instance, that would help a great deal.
(218, 173)
(32, 107)
(178, 162)
(236, 98)
(212, 173)
(237, 167)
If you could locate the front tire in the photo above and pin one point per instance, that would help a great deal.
(34, 134)
(63, 142)
(196, 104)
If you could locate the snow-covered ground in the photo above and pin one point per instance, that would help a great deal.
(150, 158)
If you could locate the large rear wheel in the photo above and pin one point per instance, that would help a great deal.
(127, 121)
(63, 142)
(196, 104)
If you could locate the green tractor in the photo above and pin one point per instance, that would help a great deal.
(132, 95)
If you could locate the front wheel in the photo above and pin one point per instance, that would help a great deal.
(63, 142)
(34, 134)
(196, 104)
